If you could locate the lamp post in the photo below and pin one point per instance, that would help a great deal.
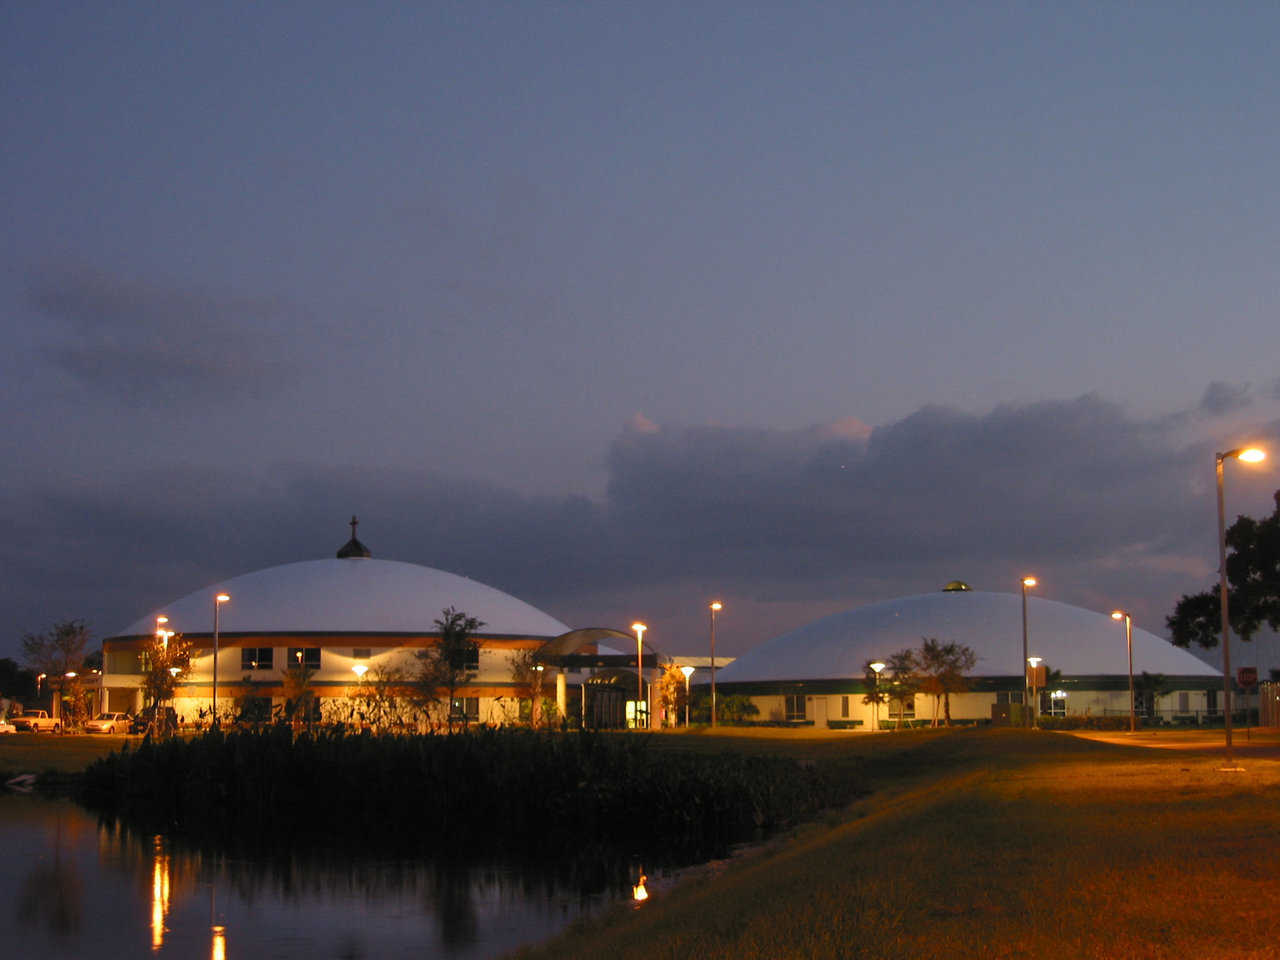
(1248, 455)
(688, 672)
(716, 607)
(1034, 663)
(218, 601)
(1128, 641)
(1026, 582)
(877, 666)
(639, 628)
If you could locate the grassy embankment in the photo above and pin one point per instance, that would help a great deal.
(990, 844)
(41, 752)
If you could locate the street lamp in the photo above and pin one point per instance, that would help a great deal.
(1026, 582)
(1248, 455)
(688, 672)
(877, 666)
(716, 607)
(639, 628)
(1034, 662)
(1128, 640)
(218, 601)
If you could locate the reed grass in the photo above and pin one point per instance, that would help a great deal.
(508, 790)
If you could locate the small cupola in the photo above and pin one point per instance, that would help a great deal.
(353, 548)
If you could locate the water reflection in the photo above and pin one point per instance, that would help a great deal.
(91, 889)
(51, 891)
(159, 892)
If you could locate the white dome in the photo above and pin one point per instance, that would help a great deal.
(1078, 642)
(355, 595)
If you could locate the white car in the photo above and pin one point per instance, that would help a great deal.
(7, 727)
(108, 723)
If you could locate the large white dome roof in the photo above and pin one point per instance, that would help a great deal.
(353, 595)
(1076, 641)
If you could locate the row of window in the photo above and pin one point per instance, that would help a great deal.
(264, 658)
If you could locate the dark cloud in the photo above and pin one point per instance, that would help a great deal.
(1221, 397)
(142, 342)
(786, 523)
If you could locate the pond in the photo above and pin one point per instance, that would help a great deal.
(72, 887)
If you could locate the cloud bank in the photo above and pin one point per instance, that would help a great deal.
(1104, 506)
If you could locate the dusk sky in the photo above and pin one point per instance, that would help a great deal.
(624, 307)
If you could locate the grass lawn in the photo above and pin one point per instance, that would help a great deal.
(993, 843)
(37, 752)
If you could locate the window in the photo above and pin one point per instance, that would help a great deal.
(1211, 701)
(360, 654)
(468, 707)
(308, 657)
(904, 709)
(256, 658)
(1184, 701)
(1008, 696)
(795, 706)
(844, 707)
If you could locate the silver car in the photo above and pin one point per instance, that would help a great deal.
(108, 723)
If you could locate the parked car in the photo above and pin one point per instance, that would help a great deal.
(142, 722)
(37, 721)
(7, 727)
(109, 723)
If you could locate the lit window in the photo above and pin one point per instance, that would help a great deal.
(307, 657)
(256, 658)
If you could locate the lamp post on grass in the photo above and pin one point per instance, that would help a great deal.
(1248, 455)
(1033, 675)
(877, 666)
(688, 672)
(1128, 641)
(639, 628)
(716, 607)
(1026, 582)
(218, 601)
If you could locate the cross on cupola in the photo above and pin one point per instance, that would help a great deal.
(353, 548)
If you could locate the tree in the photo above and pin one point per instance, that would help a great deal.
(528, 675)
(875, 694)
(16, 683)
(671, 695)
(300, 702)
(944, 668)
(450, 663)
(375, 699)
(163, 658)
(57, 652)
(1253, 587)
(902, 670)
(1147, 690)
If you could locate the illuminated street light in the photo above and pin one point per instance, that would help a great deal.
(875, 717)
(1248, 455)
(716, 607)
(688, 672)
(1034, 662)
(1128, 640)
(360, 669)
(1027, 708)
(218, 601)
(639, 628)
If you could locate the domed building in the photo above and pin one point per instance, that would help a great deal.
(818, 673)
(344, 624)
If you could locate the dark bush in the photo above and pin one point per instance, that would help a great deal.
(509, 791)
